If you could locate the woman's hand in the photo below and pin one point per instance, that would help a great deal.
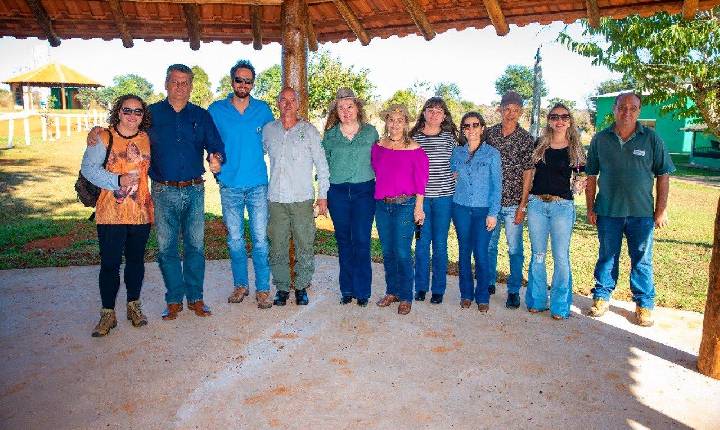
(520, 215)
(490, 223)
(129, 179)
(419, 215)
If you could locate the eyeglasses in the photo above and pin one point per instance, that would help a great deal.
(243, 81)
(468, 125)
(434, 111)
(130, 111)
(558, 117)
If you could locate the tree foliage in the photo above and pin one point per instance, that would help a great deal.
(555, 100)
(518, 78)
(126, 84)
(89, 98)
(268, 84)
(201, 94)
(6, 99)
(224, 88)
(672, 59)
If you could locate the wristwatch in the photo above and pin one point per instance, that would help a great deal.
(522, 209)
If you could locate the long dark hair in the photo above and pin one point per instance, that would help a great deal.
(114, 117)
(447, 124)
(462, 140)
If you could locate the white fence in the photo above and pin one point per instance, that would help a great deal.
(52, 125)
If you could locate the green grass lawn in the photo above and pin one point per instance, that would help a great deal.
(43, 225)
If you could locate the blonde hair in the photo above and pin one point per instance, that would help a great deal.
(575, 148)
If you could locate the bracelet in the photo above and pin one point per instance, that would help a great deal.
(522, 209)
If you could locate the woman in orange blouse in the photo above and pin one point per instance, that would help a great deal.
(124, 209)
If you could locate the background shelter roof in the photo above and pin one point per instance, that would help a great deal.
(51, 75)
(259, 21)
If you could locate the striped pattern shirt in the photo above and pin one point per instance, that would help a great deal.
(439, 149)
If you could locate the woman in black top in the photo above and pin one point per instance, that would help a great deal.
(548, 199)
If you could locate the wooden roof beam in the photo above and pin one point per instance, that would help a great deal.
(44, 21)
(256, 16)
(312, 41)
(193, 25)
(352, 21)
(497, 17)
(689, 9)
(201, 2)
(418, 15)
(120, 23)
(593, 13)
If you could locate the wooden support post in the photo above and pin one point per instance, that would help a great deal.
(593, 13)
(11, 131)
(310, 31)
(352, 21)
(43, 128)
(26, 127)
(63, 98)
(294, 50)
(689, 9)
(44, 21)
(421, 21)
(256, 17)
(709, 356)
(497, 17)
(120, 23)
(192, 21)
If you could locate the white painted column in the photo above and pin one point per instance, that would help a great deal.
(11, 130)
(26, 126)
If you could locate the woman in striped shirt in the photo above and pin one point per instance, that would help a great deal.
(437, 135)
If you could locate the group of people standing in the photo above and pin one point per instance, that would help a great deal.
(412, 181)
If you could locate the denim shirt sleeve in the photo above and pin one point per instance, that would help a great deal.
(455, 159)
(92, 169)
(495, 184)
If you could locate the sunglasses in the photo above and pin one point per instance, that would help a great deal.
(243, 81)
(468, 125)
(129, 111)
(558, 117)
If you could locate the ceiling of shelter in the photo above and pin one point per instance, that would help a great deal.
(259, 21)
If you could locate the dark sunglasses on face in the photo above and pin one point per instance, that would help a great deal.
(556, 117)
(243, 81)
(136, 111)
(467, 125)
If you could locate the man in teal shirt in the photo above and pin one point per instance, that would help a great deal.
(239, 119)
(624, 160)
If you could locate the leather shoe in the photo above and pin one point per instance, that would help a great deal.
(171, 311)
(301, 297)
(362, 302)
(465, 303)
(420, 296)
(281, 298)
(436, 299)
(491, 289)
(513, 301)
(346, 299)
(483, 307)
(387, 300)
(200, 308)
(404, 308)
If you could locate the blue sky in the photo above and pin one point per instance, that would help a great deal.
(471, 58)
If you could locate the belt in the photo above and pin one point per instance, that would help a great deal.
(549, 198)
(402, 198)
(181, 184)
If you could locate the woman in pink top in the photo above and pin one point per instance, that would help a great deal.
(401, 173)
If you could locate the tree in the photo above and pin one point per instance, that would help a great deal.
(553, 101)
(518, 78)
(224, 88)
(673, 59)
(268, 84)
(448, 91)
(6, 99)
(201, 93)
(89, 98)
(126, 84)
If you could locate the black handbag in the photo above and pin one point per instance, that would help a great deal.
(87, 192)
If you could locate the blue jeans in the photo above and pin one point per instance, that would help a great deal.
(473, 239)
(234, 201)
(556, 220)
(513, 234)
(180, 211)
(352, 208)
(639, 232)
(438, 212)
(395, 224)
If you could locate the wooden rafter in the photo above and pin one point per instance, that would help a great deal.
(201, 2)
(193, 25)
(690, 8)
(593, 13)
(352, 21)
(310, 31)
(120, 23)
(418, 15)
(256, 16)
(497, 17)
(44, 21)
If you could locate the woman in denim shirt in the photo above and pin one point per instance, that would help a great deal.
(476, 204)
(548, 200)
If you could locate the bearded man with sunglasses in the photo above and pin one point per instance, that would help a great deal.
(240, 119)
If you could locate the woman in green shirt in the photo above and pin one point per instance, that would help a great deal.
(347, 143)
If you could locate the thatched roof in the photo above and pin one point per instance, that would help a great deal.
(258, 21)
(51, 75)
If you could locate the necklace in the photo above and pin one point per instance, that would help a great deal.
(396, 140)
(123, 136)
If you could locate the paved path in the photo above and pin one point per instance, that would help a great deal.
(327, 366)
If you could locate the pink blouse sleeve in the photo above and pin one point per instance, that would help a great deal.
(421, 171)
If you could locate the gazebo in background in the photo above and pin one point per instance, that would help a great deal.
(63, 82)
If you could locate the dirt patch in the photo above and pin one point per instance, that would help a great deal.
(265, 396)
(58, 242)
(279, 335)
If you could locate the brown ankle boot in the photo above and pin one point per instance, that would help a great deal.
(107, 322)
(135, 313)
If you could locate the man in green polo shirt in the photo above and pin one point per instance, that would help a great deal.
(624, 160)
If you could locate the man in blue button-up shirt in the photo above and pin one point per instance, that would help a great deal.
(239, 119)
(180, 134)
